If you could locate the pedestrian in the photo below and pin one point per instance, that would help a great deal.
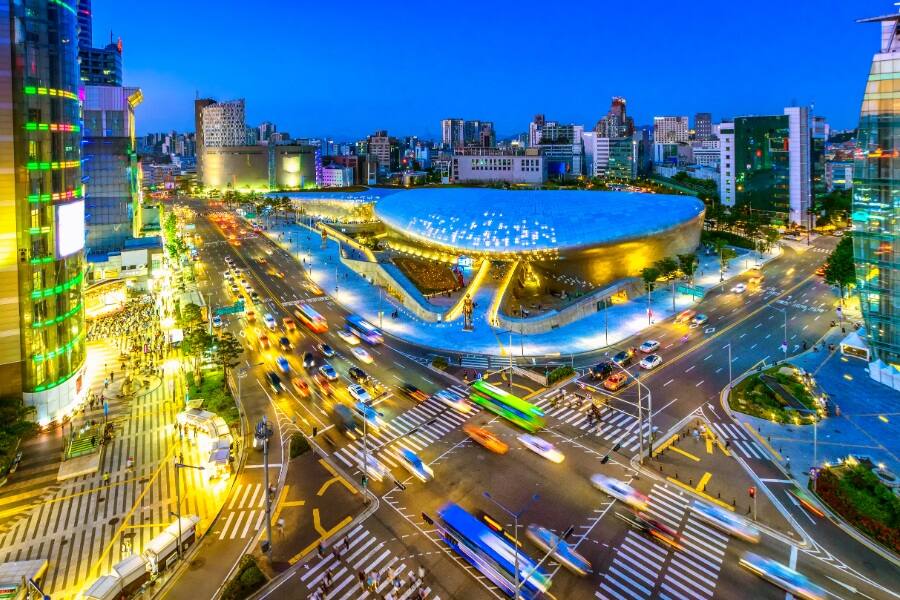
(421, 573)
(336, 553)
(398, 583)
(321, 550)
(391, 574)
(346, 543)
(362, 580)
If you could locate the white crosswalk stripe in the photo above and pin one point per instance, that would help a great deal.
(614, 426)
(740, 441)
(363, 553)
(693, 572)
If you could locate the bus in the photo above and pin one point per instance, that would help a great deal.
(510, 407)
(492, 555)
(313, 320)
(364, 330)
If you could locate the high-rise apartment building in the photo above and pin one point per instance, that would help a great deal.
(223, 124)
(385, 150)
(703, 129)
(42, 338)
(452, 133)
(616, 123)
(458, 133)
(266, 129)
(199, 105)
(876, 198)
(668, 130)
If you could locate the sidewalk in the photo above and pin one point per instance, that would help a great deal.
(588, 334)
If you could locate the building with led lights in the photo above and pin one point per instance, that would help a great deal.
(42, 330)
(271, 167)
(876, 198)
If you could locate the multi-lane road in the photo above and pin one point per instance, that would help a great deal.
(626, 564)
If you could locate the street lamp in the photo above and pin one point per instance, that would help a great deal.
(728, 345)
(263, 433)
(784, 312)
(515, 516)
(180, 465)
(637, 380)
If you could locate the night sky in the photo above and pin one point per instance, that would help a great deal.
(345, 69)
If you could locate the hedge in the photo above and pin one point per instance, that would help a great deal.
(248, 579)
(729, 237)
(439, 362)
(559, 373)
(299, 445)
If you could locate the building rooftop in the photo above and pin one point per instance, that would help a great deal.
(502, 221)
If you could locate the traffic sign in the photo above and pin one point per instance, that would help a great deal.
(237, 307)
(691, 290)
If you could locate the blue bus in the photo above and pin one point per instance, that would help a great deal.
(492, 555)
(364, 330)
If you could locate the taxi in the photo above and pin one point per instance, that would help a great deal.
(487, 439)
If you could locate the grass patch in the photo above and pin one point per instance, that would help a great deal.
(299, 445)
(428, 276)
(754, 397)
(215, 395)
(439, 362)
(248, 579)
(559, 373)
(855, 493)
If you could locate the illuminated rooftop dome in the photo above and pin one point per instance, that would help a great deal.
(479, 220)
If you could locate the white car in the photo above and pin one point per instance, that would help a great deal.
(269, 320)
(651, 362)
(362, 354)
(359, 393)
(217, 321)
(620, 491)
(649, 346)
(328, 372)
(348, 337)
(739, 288)
(698, 321)
(726, 520)
(414, 465)
(374, 469)
(453, 400)
(542, 447)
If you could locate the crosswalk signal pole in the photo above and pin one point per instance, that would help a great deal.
(263, 433)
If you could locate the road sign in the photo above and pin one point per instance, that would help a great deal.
(690, 290)
(237, 307)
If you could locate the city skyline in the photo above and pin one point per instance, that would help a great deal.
(311, 85)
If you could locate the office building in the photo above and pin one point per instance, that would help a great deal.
(703, 129)
(609, 157)
(838, 175)
(800, 158)
(336, 176)
(265, 130)
(385, 150)
(668, 130)
(223, 124)
(616, 123)
(492, 165)
(876, 198)
(457, 133)
(452, 133)
(199, 105)
(102, 66)
(42, 338)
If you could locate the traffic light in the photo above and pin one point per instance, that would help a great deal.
(752, 491)
(399, 485)
(616, 447)
(427, 519)
(568, 532)
(605, 460)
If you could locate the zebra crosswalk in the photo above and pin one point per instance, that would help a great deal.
(643, 569)
(614, 426)
(245, 512)
(739, 441)
(415, 429)
(336, 577)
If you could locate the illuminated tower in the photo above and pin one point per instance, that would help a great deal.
(42, 335)
(876, 197)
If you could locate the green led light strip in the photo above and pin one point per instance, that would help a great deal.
(32, 90)
(46, 166)
(52, 291)
(67, 195)
(65, 127)
(42, 260)
(59, 319)
(64, 5)
(59, 351)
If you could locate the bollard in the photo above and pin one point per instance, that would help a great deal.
(660, 468)
(733, 502)
(719, 495)
(691, 482)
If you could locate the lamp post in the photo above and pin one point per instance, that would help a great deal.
(180, 465)
(637, 380)
(728, 345)
(606, 319)
(559, 541)
(515, 516)
(263, 433)
(784, 312)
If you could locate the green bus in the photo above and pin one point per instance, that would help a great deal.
(510, 407)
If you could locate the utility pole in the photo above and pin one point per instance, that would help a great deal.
(515, 516)
(263, 433)
(606, 318)
(180, 465)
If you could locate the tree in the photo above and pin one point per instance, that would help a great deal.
(725, 254)
(649, 275)
(191, 315)
(227, 351)
(196, 343)
(687, 263)
(15, 424)
(841, 270)
(668, 270)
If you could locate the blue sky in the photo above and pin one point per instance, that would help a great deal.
(346, 69)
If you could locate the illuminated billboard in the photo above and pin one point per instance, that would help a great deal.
(69, 228)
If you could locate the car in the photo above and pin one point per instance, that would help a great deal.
(372, 467)
(559, 549)
(649, 346)
(542, 447)
(785, 578)
(602, 370)
(453, 400)
(370, 417)
(268, 251)
(657, 530)
(323, 384)
(264, 342)
(485, 438)
(285, 343)
(623, 358)
(412, 463)
(278, 274)
(821, 270)
(357, 374)
(348, 337)
(699, 320)
(359, 393)
(726, 520)
(309, 361)
(326, 350)
(261, 260)
(414, 392)
(739, 288)
(269, 320)
(283, 364)
(685, 316)
(235, 289)
(251, 316)
(615, 381)
(620, 491)
(651, 362)
(274, 381)
(254, 296)
(313, 288)
(362, 354)
(217, 321)
(300, 386)
(289, 324)
(328, 372)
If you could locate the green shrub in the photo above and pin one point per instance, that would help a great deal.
(248, 579)
(864, 501)
(559, 373)
(439, 362)
(729, 237)
(299, 445)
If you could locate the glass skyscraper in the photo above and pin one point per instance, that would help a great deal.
(876, 197)
(42, 330)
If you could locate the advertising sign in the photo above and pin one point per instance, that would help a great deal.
(69, 228)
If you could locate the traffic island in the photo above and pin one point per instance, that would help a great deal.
(781, 394)
(247, 580)
(698, 461)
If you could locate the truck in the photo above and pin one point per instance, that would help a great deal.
(162, 551)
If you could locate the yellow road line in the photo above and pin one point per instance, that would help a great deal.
(703, 495)
(666, 444)
(280, 503)
(709, 446)
(331, 470)
(684, 453)
(293, 503)
(763, 441)
(324, 535)
(703, 481)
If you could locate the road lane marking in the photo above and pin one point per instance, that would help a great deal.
(708, 357)
(699, 383)
(689, 369)
(668, 382)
